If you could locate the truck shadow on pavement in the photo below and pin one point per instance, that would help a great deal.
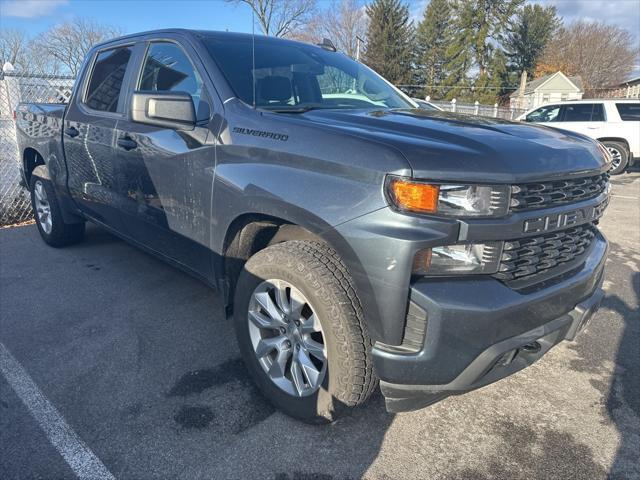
(187, 384)
(621, 396)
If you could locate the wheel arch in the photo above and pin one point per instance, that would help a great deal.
(31, 159)
(248, 234)
(615, 139)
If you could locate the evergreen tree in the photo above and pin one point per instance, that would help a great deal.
(390, 36)
(529, 32)
(490, 86)
(484, 23)
(432, 39)
(479, 27)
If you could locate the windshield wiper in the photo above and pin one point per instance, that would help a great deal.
(290, 109)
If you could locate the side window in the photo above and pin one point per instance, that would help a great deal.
(167, 68)
(597, 115)
(548, 113)
(629, 112)
(103, 92)
(578, 112)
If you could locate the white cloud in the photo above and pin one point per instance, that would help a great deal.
(29, 8)
(623, 13)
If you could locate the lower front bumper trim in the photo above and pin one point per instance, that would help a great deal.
(496, 362)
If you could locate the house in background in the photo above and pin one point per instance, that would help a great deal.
(554, 87)
(628, 89)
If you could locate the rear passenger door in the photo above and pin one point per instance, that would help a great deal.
(585, 118)
(89, 134)
(168, 173)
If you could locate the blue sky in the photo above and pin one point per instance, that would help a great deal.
(131, 15)
(136, 15)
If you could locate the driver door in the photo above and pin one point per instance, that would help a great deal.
(168, 173)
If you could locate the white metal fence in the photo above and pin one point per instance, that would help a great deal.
(495, 111)
(15, 205)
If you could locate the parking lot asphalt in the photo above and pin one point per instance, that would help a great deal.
(139, 362)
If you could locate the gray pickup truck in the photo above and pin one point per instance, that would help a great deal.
(355, 238)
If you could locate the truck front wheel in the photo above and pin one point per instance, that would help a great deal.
(300, 329)
(46, 210)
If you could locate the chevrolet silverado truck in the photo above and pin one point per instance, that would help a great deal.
(356, 239)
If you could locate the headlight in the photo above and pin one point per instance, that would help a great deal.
(448, 199)
(468, 258)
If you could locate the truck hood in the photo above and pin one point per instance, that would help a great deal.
(447, 146)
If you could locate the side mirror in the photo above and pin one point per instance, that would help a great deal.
(164, 109)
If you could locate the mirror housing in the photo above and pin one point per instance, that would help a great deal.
(164, 109)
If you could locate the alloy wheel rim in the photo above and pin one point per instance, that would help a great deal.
(616, 157)
(43, 207)
(287, 337)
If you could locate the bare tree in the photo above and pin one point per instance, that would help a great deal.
(13, 47)
(281, 18)
(69, 42)
(39, 62)
(342, 22)
(601, 54)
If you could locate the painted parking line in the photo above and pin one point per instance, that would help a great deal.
(75, 452)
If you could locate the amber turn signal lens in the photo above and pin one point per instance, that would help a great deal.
(415, 196)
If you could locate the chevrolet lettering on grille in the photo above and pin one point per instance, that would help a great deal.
(549, 223)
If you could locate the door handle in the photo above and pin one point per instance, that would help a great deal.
(127, 143)
(71, 132)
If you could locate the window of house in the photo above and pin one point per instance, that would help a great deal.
(629, 112)
(545, 98)
(105, 84)
(564, 97)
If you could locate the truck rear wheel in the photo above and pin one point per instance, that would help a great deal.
(46, 210)
(300, 329)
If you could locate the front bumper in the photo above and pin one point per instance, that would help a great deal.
(479, 331)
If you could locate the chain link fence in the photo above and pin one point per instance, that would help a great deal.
(15, 205)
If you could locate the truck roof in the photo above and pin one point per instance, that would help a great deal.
(195, 33)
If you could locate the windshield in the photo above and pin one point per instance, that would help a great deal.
(293, 76)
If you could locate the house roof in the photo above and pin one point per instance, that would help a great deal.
(631, 81)
(533, 85)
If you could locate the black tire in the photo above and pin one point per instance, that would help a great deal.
(317, 271)
(60, 234)
(622, 149)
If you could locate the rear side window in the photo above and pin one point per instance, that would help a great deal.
(583, 112)
(629, 112)
(105, 84)
(168, 69)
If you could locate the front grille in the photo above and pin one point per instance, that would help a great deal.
(536, 255)
(529, 196)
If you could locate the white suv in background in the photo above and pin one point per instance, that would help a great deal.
(616, 123)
